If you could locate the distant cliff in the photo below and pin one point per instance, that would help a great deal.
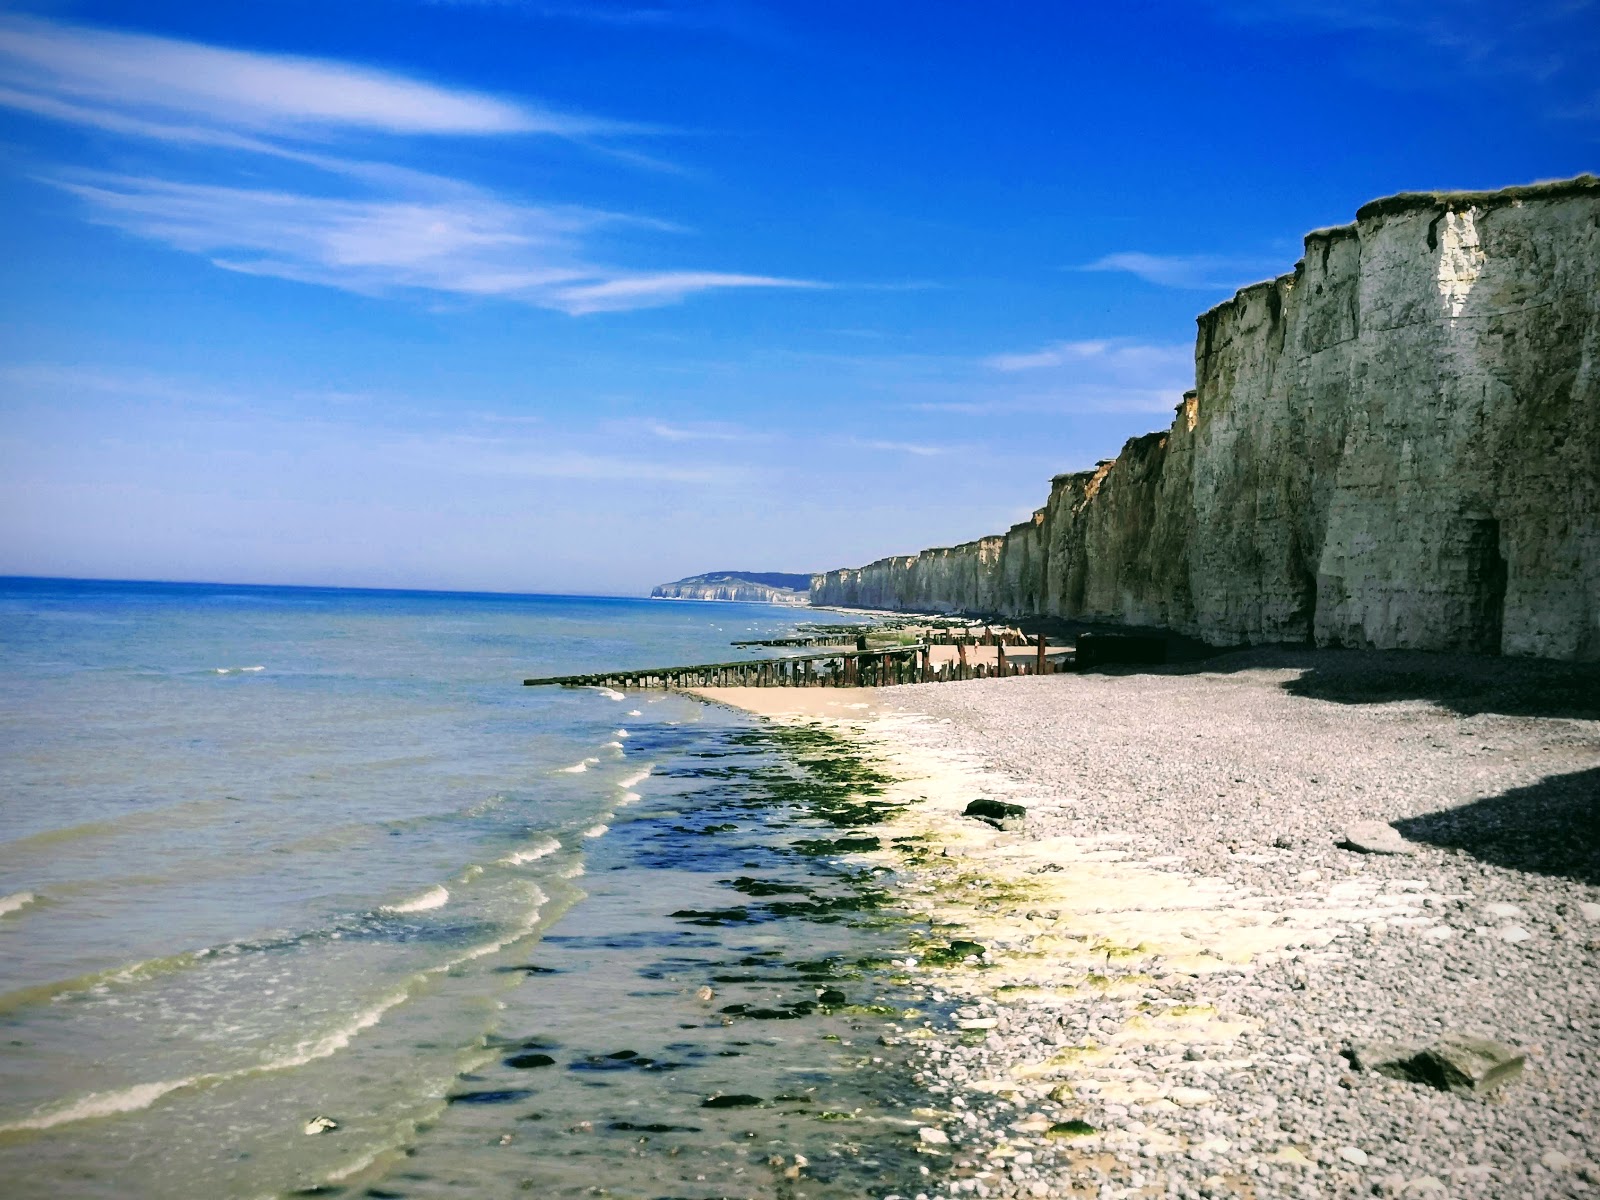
(1396, 445)
(750, 587)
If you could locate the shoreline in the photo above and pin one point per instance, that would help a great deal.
(1178, 957)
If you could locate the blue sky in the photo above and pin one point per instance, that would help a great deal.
(582, 297)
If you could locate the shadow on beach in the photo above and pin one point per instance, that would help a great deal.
(1551, 827)
(1463, 683)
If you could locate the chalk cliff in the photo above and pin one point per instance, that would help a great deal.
(752, 587)
(1396, 445)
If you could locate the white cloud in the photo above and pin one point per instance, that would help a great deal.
(700, 433)
(44, 64)
(662, 287)
(466, 243)
(1200, 272)
(914, 448)
(1100, 375)
(360, 224)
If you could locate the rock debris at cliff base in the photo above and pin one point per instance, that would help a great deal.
(1177, 960)
(1396, 445)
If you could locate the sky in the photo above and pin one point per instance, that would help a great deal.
(582, 297)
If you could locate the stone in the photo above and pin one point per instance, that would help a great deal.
(1453, 1063)
(1512, 934)
(1375, 837)
(1589, 912)
(933, 1137)
(320, 1125)
(1353, 1155)
(736, 1100)
(1424, 1185)
(998, 813)
(1555, 1160)
(524, 1062)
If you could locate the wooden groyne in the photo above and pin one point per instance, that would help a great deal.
(860, 667)
(967, 635)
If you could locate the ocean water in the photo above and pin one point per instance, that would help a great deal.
(269, 855)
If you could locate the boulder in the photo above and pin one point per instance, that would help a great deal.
(998, 813)
(1375, 837)
(1453, 1063)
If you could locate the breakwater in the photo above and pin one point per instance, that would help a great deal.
(1396, 445)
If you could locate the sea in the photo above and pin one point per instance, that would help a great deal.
(303, 893)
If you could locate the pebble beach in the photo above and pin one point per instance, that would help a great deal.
(1161, 978)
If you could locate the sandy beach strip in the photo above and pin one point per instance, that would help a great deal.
(1171, 956)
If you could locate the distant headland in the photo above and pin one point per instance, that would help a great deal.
(749, 587)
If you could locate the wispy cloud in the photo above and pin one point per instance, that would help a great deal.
(1101, 375)
(468, 244)
(1198, 272)
(360, 224)
(914, 448)
(238, 89)
(700, 433)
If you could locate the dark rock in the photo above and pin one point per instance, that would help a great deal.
(524, 1062)
(737, 1100)
(997, 813)
(503, 1096)
(830, 996)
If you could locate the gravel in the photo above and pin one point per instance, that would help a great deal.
(1252, 768)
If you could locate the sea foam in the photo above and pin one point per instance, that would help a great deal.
(434, 897)
(532, 854)
(15, 901)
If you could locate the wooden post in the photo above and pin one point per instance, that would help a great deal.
(1041, 663)
(1000, 660)
(927, 664)
(963, 668)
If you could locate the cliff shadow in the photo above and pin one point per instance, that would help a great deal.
(1549, 828)
(1466, 684)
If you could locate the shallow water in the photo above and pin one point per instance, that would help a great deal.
(236, 899)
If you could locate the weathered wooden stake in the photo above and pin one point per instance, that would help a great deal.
(1041, 664)
(1000, 659)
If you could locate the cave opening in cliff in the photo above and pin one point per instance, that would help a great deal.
(1487, 578)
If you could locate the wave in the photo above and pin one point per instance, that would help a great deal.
(143, 1095)
(595, 831)
(634, 712)
(611, 693)
(434, 897)
(237, 670)
(633, 781)
(15, 901)
(532, 854)
(137, 972)
(629, 798)
(621, 733)
(612, 746)
(577, 768)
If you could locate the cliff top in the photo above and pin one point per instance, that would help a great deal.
(1404, 202)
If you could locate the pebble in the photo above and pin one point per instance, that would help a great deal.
(1483, 925)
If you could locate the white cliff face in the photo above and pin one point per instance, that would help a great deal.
(1397, 445)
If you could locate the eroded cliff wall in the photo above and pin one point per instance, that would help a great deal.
(1396, 445)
